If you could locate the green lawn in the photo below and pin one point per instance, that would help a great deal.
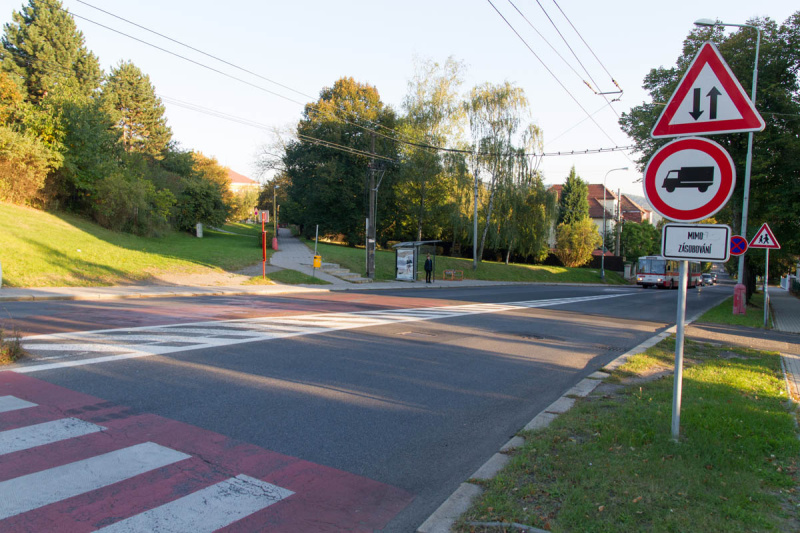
(723, 313)
(354, 260)
(609, 464)
(40, 249)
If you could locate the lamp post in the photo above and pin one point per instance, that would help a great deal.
(275, 218)
(275, 207)
(749, 161)
(603, 248)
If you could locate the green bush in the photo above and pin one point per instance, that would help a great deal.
(133, 205)
(201, 201)
(24, 164)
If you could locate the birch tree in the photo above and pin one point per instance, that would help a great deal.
(495, 115)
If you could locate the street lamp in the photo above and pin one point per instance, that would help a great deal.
(275, 208)
(603, 248)
(749, 161)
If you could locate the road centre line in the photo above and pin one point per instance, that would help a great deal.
(262, 329)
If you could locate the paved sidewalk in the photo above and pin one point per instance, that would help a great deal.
(786, 318)
(295, 255)
(785, 310)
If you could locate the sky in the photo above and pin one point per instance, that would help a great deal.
(305, 45)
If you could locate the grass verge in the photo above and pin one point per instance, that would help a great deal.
(40, 249)
(354, 260)
(287, 277)
(723, 313)
(10, 348)
(609, 465)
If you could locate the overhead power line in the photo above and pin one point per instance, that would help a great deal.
(312, 106)
(190, 47)
(247, 122)
(587, 45)
(528, 46)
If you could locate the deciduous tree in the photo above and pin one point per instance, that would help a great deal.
(575, 242)
(495, 115)
(327, 163)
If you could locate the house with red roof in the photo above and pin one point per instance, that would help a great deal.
(606, 204)
(240, 183)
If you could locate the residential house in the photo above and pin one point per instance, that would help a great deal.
(606, 208)
(239, 183)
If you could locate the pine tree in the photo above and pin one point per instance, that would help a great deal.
(131, 100)
(574, 202)
(42, 49)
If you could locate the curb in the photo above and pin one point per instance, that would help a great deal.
(443, 518)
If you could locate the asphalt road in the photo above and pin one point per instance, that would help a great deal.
(416, 405)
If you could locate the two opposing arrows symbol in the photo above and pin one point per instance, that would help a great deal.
(712, 108)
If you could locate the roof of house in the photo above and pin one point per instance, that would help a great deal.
(630, 205)
(632, 211)
(596, 209)
(596, 191)
(235, 177)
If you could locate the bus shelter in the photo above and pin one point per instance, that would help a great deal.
(407, 256)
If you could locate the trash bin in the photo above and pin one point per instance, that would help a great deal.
(739, 299)
(317, 261)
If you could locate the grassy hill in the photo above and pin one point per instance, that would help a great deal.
(39, 249)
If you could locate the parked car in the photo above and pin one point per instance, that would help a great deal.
(708, 279)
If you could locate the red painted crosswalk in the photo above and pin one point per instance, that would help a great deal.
(73, 463)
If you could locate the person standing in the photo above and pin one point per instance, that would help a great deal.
(428, 268)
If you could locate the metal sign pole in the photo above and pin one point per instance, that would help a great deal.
(766, 290)
(678, 382)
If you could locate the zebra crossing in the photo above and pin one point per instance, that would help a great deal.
(83, 348)
(108, 469)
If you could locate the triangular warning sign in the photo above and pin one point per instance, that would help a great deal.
(765, 239)
(708, 100)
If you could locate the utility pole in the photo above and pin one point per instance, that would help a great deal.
(475, 228)
(618, 225)
(374, 169)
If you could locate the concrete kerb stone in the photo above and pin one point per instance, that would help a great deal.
(446, 515)
(562, 405)
(490, 468)
(583, 388)
(542, 420)
(512, 444)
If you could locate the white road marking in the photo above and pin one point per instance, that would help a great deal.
(12, 403)
(206, 510)
(14, 440)
(25, 493)
(151, 340)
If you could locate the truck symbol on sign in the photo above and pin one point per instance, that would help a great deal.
(700, 177)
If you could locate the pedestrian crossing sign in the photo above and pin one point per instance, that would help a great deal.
(765, 239)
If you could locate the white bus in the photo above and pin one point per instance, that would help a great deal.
(656, 271)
